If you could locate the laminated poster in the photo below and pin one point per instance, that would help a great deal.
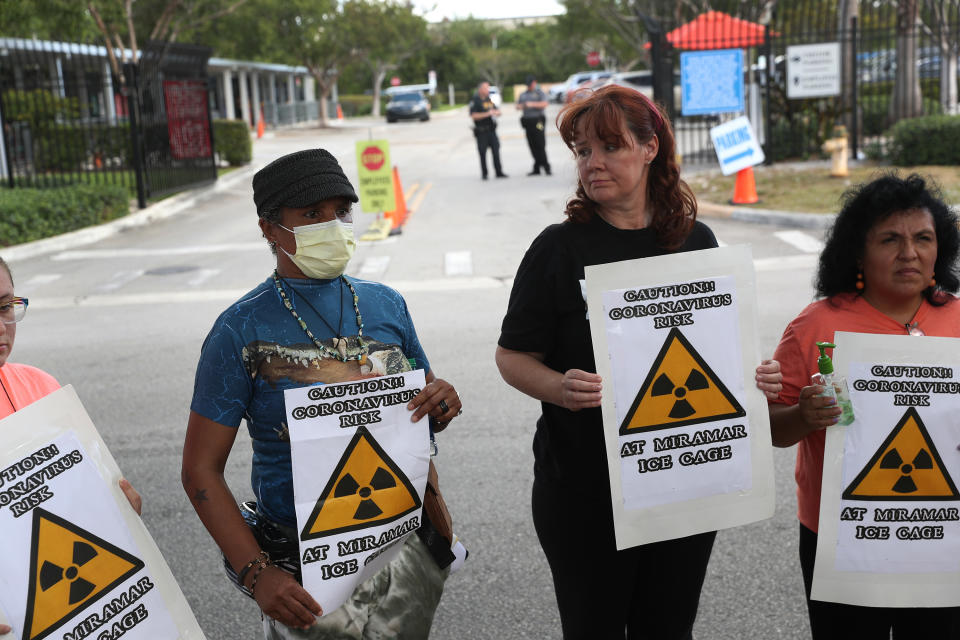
(890, 506)
(79, 562)
(359, 472)
(686, 430)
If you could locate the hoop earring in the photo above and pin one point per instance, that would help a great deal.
(859, 283)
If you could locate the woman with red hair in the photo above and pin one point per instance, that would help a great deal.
(630, 203)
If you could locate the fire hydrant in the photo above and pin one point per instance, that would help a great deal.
(837, 146)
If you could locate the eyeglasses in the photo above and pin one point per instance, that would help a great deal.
(13, 310)
(913, 329)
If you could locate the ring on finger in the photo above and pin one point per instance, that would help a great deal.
(443, 406)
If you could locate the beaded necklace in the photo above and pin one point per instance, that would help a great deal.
(340, 353)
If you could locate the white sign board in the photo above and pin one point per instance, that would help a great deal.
(686, 430)
(359, 472)
(813, 70)
(736, 145)
(889, 532)
(79, 561)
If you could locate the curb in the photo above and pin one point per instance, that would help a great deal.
(766, 216)
(157, 211)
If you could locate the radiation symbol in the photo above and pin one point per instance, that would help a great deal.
(680, 389)
(907, 466)
(70, 569)
(366, 488)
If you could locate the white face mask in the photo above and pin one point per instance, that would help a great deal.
(323, 249)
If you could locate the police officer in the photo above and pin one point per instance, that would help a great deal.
(533, 101)
(483, 111)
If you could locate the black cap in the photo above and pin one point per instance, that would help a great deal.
(300, 179)
(531, 79)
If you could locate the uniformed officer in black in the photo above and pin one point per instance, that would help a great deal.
(533, 101)
(483, 111)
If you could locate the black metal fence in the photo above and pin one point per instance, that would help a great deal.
(173, 131)
(67, 118)
(64, 116)
(899, 60)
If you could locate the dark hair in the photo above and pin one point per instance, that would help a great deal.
(867, 204)
(608, 111)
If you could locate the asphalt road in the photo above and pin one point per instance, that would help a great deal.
(122, 320)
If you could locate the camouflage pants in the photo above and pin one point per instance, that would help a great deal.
(396, 603)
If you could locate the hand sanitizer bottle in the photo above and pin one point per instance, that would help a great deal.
(833, 386)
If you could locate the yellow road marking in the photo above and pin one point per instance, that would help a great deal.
(418, 200)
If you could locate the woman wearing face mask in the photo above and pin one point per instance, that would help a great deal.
(305, 324)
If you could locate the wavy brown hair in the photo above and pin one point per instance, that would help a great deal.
(609, 112)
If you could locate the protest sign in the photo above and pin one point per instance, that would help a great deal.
(359, 472)
(889, 532)
(79, 562)
(686, 430)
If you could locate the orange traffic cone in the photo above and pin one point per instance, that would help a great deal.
(399, 214)
(339, 112)
(745, 188)
(260, 125)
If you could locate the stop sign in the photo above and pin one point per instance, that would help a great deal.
(394, 81)
(372, 158)
(593, 58)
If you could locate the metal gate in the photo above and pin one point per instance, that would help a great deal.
(898, 59)
(67, 118)
(170, 118)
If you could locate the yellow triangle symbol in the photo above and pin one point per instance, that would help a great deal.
(70, 569)
(680, 389)
(366, 488)
(907, 466)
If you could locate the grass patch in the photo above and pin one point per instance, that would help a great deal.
(447, 107)
(813, 190)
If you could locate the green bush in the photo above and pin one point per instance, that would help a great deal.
(875, 110)
(358, 105)
(32, 214)
(926, 140)
(231, 141)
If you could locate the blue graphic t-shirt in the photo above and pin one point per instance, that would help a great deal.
(256, 350)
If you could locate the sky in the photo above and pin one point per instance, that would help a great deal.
(437, 10)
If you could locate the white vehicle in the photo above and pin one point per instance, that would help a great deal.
(558, 92)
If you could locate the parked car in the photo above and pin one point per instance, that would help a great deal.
(558, 92)
(412, 105)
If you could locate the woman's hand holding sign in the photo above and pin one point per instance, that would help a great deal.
(769, 379)
(437, 399)
(580, 390)
(283, 599)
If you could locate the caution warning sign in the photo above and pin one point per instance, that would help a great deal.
(679, 390)
(70, 568)
(907, 466)
(360, 469)
(366, 488)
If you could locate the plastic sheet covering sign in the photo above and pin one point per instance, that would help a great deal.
(79, 562)
(359, 471)
(890, 506)
(686, 429)
(187, 119)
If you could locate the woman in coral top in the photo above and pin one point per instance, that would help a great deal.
(889, 266)
(22, 384)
